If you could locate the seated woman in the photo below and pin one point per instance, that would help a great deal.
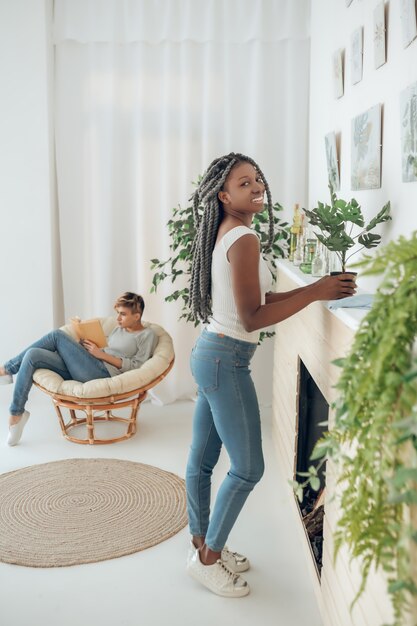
(129, 345)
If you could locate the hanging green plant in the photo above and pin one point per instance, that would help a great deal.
(374, 440)
(182, 231)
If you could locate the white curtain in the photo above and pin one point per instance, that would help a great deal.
(147, 93)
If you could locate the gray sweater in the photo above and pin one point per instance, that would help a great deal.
(133, 348)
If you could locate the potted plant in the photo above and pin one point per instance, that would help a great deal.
(337, 223)
(181, 229)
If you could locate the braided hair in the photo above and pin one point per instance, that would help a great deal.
(207, 225)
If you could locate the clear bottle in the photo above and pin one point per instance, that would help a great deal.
(299, 251)
(317, 264)
(295, 231)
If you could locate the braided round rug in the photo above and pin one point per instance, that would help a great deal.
(86, 510)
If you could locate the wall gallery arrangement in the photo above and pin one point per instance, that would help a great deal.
(366, 143)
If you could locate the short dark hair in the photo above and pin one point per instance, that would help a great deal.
(132, 301)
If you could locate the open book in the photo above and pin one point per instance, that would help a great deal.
(89, 329)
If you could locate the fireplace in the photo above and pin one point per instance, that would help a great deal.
(312, 418)
(306, 346)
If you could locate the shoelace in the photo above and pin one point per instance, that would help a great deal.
(229, 572)
(235, 555)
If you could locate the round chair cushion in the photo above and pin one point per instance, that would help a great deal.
(123, 383)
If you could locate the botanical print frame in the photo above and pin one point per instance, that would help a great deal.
(332, 160)
(408, 109)
(408, 21)
(337, 67)
(356, 55)
(366, 149)
(379, 34)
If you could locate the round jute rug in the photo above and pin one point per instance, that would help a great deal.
(86, 510)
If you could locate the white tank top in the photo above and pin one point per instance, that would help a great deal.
(225, 318)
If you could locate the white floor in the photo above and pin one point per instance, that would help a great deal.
(151, 588)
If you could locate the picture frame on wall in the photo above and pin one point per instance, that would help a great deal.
(379, 35)
(337, 68)
(356, 50)
(332, 160)
(408, 113)
(366, 149)
(408, 21)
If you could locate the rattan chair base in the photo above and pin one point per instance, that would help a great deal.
(93, 406)
(92, 418)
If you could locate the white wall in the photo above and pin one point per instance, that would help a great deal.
(331, 26)
(26, 184)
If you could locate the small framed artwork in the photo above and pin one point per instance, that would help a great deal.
(356, 55)
(332, 161)
(366, 149)
(338, 73)
(379, 34)
(408, 21)
(408, 109)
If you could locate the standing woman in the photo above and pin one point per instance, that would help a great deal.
(230, 292)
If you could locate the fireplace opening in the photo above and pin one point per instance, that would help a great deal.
(312, 411)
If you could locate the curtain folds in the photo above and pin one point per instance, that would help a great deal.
(142, 105)
(156, 21)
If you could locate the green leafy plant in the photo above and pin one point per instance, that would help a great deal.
(337, 222)
(177, 267)
(373, 443)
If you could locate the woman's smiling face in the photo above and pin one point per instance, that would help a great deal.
(243, 190)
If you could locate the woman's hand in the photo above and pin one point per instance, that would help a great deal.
(334, 287)
(92, 349)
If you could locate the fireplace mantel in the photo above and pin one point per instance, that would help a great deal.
(318, 336)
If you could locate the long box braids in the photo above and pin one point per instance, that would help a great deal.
(207, 224)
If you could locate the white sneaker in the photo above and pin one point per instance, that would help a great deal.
(218, 578)
(6, 379)
(15, 431)
(234, 561)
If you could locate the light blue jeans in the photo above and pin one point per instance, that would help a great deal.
(58, 352)
(226, 413)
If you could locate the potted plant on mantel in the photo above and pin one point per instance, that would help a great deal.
(336, 223)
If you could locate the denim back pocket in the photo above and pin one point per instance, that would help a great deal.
(205, 370)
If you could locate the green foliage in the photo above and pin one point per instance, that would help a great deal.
(374, 441)
(182, 231)
(333, 223)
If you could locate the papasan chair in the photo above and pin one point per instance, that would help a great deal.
(97, 400)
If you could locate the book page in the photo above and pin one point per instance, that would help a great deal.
(91, 330)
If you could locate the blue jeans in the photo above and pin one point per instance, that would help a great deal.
(58, 352)
(226, 413)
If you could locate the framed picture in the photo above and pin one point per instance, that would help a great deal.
(356, 55)
(366, 149)
(408, 21)
(338, 73)
(379, 34)
(408, 109)
(332, 160)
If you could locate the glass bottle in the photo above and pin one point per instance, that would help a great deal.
(317, 264)
(299, 251)
(295, 231)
